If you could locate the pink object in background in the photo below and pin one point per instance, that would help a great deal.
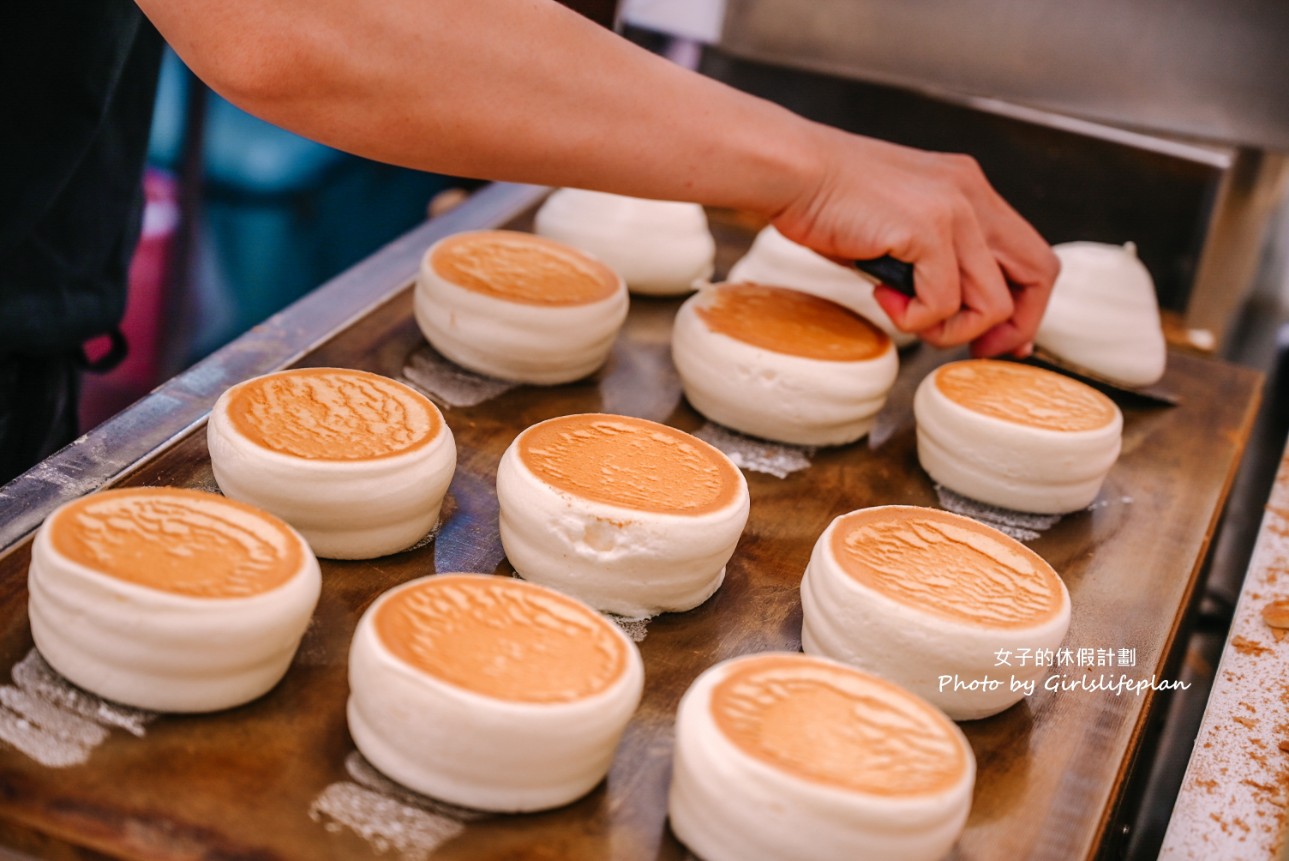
(104, 395)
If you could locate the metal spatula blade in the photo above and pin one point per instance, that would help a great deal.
(1155, 393)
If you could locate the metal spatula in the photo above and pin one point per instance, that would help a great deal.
(899, 276)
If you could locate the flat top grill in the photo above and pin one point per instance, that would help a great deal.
(279, 778)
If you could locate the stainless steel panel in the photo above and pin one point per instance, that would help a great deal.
(1203, 68)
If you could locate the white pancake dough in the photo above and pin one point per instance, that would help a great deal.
(1016, 436)
(170, 600)
(1103, 315)
(775, 259)
(359, 463)
(489, 692)
(518, 307)
(630, 516)
(781, 364)
(929, 600)
(659, 247)
(785, 756)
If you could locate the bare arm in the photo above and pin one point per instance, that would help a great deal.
(526, 90)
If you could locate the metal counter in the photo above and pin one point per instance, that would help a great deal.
(1234, 800)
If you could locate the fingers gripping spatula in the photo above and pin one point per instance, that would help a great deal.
(895, 274)
(898, 411)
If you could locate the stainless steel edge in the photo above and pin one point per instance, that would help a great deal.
(156, 421)
(1231, 803)
(1214, 71)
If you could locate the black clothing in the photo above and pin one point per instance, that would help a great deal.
(38, 398)
(79, 81)
(77, 84)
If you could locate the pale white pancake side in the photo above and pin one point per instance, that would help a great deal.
(351, 509)
(1103, 314)
(849, 621)
(516, 341)
(775, 259)
(774, 395)
(160, 650)
(1008, 464)
(659, 247)
(620, 560)
(475, 750)
(726, 805)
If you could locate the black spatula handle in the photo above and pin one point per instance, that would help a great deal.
(893, 273)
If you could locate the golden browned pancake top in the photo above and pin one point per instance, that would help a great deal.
(947, 565)
(829, 724)
(520, 267)
(181, 541)
(333, 414)
(630, 463)
(791, 322)
(502, 638)
(1025, 395)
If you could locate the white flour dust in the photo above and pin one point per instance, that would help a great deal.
(382, 821)
(636, 628)
(386, 815)
(447, 384)
(757, 455)
(56, 724)
(1021, 525)
(208, 485)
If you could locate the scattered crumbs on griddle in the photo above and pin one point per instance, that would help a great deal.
(1021, 525)
(57, 724)
(447, 384)
(636, 627)
(756, 455)
(390, 817)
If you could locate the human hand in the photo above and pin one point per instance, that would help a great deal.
(983, 274)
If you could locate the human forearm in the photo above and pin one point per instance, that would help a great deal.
(504, 89)
(525, 90)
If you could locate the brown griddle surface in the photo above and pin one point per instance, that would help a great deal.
(239, 784)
